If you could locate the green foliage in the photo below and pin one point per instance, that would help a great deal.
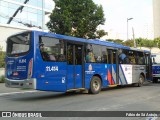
(129, 43)
(140, 42)
(149, 43)
(157, 42)
(119, 41)
(78, 18)
(2, 79)
(100, 33)
(2, 56)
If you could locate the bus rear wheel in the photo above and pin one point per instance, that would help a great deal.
(95, 86)
(141, 81)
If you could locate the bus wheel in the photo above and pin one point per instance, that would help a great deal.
(141, 81)
(155, 80)
(95, 86)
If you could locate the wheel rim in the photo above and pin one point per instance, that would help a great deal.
(96, 85)
(141, 80)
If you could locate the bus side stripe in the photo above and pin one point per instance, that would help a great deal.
(123, 75)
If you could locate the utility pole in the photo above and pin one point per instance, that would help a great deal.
(134, 38)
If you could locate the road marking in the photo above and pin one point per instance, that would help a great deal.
(12, 93)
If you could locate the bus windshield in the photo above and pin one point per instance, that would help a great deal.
(18, 44)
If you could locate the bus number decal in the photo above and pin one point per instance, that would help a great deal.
(22, 61)
(51, 68)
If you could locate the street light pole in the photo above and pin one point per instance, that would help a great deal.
(43, 15)
(127, 25)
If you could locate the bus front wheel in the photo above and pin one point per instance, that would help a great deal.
(95, 86)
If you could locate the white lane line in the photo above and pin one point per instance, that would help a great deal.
(11, 93)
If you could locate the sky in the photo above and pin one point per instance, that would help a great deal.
(116, 14)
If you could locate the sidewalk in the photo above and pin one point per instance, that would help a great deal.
(4, 89)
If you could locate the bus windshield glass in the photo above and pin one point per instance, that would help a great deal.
(18, 44)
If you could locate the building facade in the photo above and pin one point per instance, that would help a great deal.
(156, 18)
(21, 15)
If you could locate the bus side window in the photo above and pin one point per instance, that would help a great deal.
(123, 57)
(52, 49)
(140, 58)
(44, 54)
(132, 57)
(90, 57)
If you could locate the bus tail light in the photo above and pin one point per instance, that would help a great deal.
(30, 67)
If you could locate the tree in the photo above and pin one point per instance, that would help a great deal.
(100, 33)
(119, 41)
(2, 56)
(129, 43)
(78, 18)
(149, 43)
(139, 42)
(157, 42)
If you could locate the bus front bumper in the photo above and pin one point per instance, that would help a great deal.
(26, 83)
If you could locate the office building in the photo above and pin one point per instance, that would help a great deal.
(22, 15)
(156, 18)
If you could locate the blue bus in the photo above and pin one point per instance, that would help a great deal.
(156, 67)
(53, 62)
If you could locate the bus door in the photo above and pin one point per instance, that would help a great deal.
(75, 63)
(148, 66)
(113, 67)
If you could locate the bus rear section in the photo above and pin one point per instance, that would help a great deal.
(156, 67)
(19, 61)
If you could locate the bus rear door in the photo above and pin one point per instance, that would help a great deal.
(112, 67)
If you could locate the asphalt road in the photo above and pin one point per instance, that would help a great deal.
(128, 98)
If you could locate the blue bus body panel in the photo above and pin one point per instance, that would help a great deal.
(93, 69)
(156, 69)
(17, 67)
(78, 76)
(70, 76)
(51, 76)
(74, 76)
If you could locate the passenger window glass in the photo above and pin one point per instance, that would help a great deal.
(140, 58)
(96, 53)
(132, 57)
(89, 54)
(104, 55)
(52, 49)
(109, 56)
(123, 56)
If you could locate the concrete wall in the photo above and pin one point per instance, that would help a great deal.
(6, 31)
(153, 50)
(156, 18)
(2, 71)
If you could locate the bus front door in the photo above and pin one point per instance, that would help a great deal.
(75, 66)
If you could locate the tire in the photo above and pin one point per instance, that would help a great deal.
(95, 85)
(155, 80)
(141, 81)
